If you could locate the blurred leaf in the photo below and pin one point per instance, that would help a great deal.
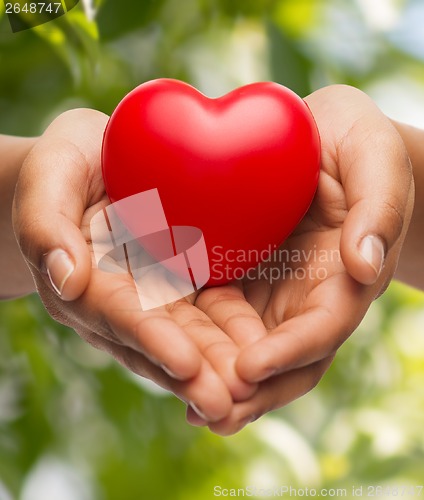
(289, 66)
(248, 8)
(297, 18)
(118, 18)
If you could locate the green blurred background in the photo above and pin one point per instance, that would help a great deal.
(73, 424)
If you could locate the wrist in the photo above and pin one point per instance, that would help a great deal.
(13, 151)
(410, 269)
(413, 139)
(15, 278)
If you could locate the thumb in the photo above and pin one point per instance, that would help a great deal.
(377, 178)
(58, 181)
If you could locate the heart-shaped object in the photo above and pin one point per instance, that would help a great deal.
(243, 168)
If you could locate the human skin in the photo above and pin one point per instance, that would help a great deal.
(231, 353)
(411, 264)
(15, 278)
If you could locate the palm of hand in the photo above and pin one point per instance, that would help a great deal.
(298, 297)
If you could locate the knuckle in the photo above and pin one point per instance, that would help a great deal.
(391, 208)
(238, 319)
(177, 307)
(213, 297)
(198, 323)
(394, 217)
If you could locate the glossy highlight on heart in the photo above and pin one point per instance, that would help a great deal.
(243, 168)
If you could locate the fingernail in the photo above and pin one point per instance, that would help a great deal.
(248, 420)
(169, 372)
(198, 411)
(371, 249)
(59, 268)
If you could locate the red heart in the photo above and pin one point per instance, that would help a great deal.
(243, 168)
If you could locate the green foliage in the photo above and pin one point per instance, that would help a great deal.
(63, 403)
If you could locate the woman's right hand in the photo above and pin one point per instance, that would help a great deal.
(59, 190)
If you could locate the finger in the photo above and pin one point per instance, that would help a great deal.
(59, 179)
(215, 345)
(112, 307)
(223, 356)
(378, 186)
(376, 175)
(194, 419)
(274, 393)
(330, 314)
(206, 393)
(229, 310)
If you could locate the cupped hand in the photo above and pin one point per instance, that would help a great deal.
(342, 256)
(59, 190)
